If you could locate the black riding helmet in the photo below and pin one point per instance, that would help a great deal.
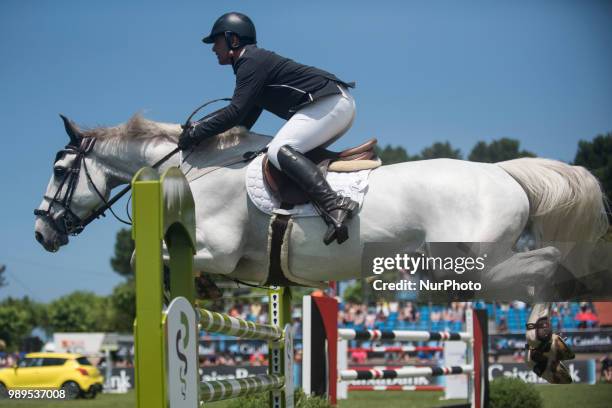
(233, 23)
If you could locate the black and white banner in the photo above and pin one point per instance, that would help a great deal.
(580, 341)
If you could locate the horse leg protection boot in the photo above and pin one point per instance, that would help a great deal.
(333, 207)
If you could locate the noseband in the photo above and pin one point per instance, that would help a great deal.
(65, 220)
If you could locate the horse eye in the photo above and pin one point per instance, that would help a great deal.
(59, 171)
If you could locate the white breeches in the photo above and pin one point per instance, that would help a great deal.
(316, 124)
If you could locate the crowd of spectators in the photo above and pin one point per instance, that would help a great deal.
(401, 315)
(404, 315)
(383, 315)
(509, 317)
(512, 317)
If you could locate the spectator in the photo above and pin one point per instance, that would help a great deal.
(359, 318)
(359, 357)
(257, 359)
(606, 369)
(586, 318)
(502, 327)
(454, 313)
(409, 313)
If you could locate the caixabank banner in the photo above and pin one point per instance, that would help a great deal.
(437, 163)
(582, 372)
(584, 341)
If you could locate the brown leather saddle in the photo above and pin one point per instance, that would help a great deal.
(357, 158)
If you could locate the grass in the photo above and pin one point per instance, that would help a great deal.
(101, 401)
(555, 396)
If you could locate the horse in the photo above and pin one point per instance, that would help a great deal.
(439, 200)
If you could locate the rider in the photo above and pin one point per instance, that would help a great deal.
(316, 104)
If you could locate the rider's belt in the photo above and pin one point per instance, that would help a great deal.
(330, 88)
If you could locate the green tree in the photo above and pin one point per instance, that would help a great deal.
(124, 247)
(122, 302)
(354, 292)
(17, 319)
(498, 150)
(392, 155)
(440, 151)
(79, 312)
(596, 156)
(123, 307)
(14, 326)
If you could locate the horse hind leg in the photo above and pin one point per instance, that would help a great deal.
(546, 350)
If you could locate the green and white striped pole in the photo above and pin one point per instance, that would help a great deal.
(214, 322)
(218, 390)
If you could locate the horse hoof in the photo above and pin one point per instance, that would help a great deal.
(558, 374)
(206, 288)
(563, 351)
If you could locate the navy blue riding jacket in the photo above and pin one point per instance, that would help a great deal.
(265, 80)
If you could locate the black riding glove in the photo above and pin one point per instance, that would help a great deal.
(187, 139)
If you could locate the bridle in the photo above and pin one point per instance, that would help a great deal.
(65, 220)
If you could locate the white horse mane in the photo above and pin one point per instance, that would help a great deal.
(138, 127)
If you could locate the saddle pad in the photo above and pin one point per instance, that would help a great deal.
(353, 185)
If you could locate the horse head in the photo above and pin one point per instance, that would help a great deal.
(97, 160)
(77, 187)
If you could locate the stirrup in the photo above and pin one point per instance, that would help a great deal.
(337, 230)
(334, 233)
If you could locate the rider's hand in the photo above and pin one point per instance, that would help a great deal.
(187, 138)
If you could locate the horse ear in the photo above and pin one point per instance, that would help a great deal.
(72, 130)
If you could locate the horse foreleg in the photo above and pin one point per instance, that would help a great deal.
(545, 349)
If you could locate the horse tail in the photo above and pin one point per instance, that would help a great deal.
(566, 202)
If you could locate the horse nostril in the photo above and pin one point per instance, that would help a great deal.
(39, 237)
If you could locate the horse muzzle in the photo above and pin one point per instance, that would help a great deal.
(48, 235)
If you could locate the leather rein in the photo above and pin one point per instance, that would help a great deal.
(65, 220)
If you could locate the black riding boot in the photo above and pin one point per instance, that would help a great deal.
(333, 207)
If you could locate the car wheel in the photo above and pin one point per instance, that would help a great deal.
(91, 394)
(3, 391)
(71, 389)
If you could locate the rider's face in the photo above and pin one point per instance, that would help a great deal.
(221, 50)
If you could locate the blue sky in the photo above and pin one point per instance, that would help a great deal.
(461, 71)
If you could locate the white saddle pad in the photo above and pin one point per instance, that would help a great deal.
(353, 185)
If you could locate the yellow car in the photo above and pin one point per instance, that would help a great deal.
(72, 373)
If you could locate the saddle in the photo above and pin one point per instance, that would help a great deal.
(362, 157)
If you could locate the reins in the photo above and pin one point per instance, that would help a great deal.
(70, 223)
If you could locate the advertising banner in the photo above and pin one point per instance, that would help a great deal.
(581, 341)
(582, 372)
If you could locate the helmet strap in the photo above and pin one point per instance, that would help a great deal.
(228, 40)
